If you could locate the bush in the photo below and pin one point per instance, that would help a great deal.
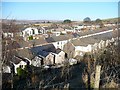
(30, 37)
(21, 72)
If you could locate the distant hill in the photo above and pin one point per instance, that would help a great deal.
(30, 21)
(111, 20)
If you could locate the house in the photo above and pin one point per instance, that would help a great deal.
(79, 27)
(41, 30)
(37, 42)
(30, 31)
(8, 34)
(18, 62)
(31, 43)
(59, 56)
(93, 27)
(60, 41)
(47, 55)
(80, 46)
(70, 30)
(58, 31)
(43, 55)
(38, 36)
(42, 58)
(44, 29)
(109, 24)
(37, 61)
(69, 49)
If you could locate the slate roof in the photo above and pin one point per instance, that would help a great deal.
(23, 59)
(13, 45)
(78, 42)
(40, 41)
(43, 50)
(50, 39)
(105, 36)
(16, 60)
(58, 51)
(25, 53)
(91, 31)
(23, 44)
(91, 40)
(76, 35)
(63, 37)
(42, 53)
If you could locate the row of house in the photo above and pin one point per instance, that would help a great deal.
(92, 44)
(33, 31)
(37, 56)
(80, 27)
(54, 30)
(49, 55)
(54, 52)
(57, 41)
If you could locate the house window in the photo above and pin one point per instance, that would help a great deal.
(39, 31)
(58, 43)
(33, 31)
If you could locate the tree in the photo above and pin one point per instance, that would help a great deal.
(10, 26)
(87, 20)
(98, 20)
(48, 22)
(67, 21)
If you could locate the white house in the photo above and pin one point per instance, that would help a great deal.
(80, 27)
(60, 41)
(30, 31)
(80, 50)
(70, 30)
(56, 33)
(21, 64)
(8, 34)
(18, 62)
(60, 44)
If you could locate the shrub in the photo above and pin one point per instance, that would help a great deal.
(30, 37)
